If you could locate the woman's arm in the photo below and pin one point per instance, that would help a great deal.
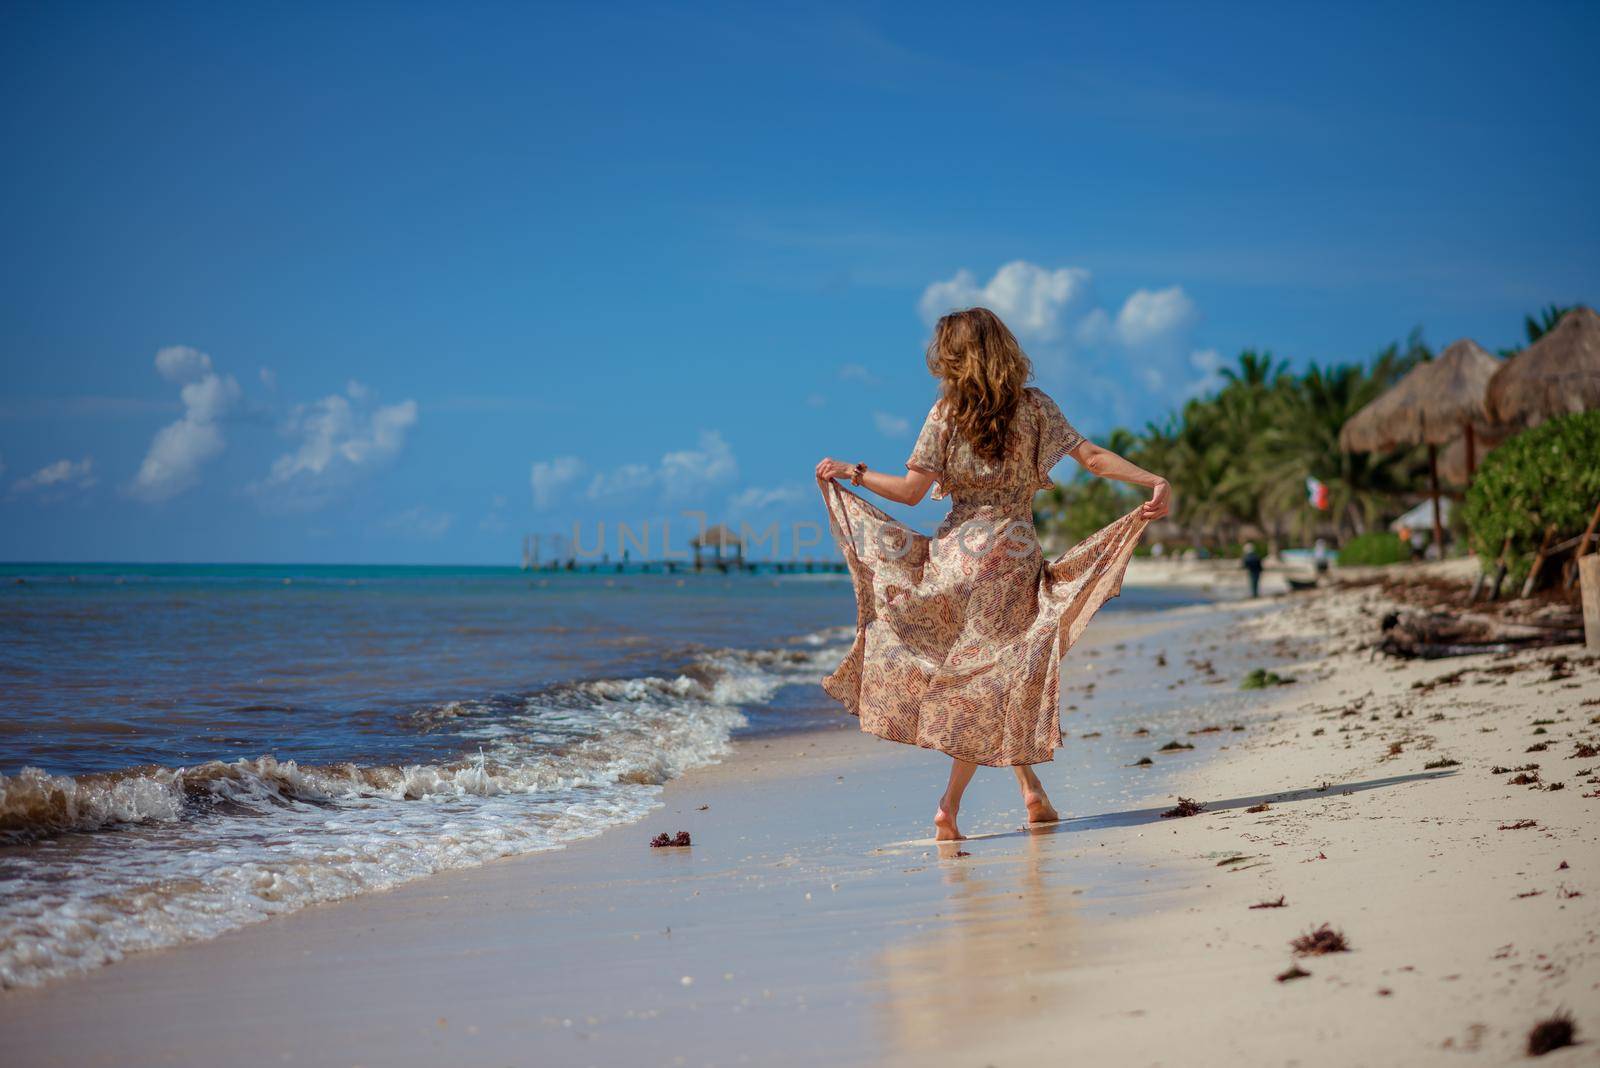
(908, 488)
(1107, 464)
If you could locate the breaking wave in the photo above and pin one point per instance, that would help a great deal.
(97, 866)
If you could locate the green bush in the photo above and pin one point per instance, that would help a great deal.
(1373, 547)
(1547, 476)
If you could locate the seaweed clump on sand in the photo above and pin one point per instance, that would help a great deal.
(1258, 808)
(1261, 678)
(1278, 904)
(1442, 762)
(1520, 825)
(1186, 806)
(1294, 972)
(665, 840)
(1317, 942)
(1551, 1034)
(1173, 746)
(1500, 769)
(1584, 751)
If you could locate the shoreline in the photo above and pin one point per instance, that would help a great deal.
(812, 921)
(202, 985)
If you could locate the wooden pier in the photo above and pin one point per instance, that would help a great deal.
(716, 549)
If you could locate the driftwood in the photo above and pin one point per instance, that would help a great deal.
(1500, 569)
(1532, 581)
(1483, 576)
(1582, 548)
(1433, 635)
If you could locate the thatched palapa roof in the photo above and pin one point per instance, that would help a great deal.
(1428, 406)
(715, 537)
(1556, 375)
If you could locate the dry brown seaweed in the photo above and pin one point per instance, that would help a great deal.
(1551, 1034)
(1186, 806)
(1318, 941)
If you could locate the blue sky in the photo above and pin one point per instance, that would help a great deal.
(398, 283)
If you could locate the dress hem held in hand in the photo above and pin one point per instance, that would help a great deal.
(959, 637)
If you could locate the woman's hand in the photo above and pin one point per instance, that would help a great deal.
(1160, 502)
(830, 469)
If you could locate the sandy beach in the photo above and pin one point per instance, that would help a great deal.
(812, 920)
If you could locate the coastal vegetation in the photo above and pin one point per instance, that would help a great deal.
(1541, 483)
(1245, 457)
(1239, 457)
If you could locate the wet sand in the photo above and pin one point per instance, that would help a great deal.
(812, 922)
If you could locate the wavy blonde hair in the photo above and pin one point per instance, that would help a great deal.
(984, 372)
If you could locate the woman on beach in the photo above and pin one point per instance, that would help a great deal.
(959, 637)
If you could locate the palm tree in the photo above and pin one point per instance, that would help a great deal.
(1538, 328)
(1242, 454)
(1256, 369)
(1304, 443)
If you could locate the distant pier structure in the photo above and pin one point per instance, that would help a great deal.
(717, 540)
(716, 548)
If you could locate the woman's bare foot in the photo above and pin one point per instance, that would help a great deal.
(1040, 810)
(944, 825)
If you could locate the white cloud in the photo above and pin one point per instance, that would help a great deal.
(890, 426)
(421, 523)
(757, 498)
(549, 477)
(677, 475)
(686, 471)
(1209, 363)
(342, 438)
(1032, 300)
(61, 475)
(180, 363)
(1073, 339)
(626, 479)
(176, 453)
(269, 378)
(855, 372)
(1155, 317)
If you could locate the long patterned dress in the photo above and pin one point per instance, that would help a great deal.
(959, 637)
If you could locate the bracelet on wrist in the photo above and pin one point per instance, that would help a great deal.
(857, 473)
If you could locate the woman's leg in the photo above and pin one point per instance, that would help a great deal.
(944, 821)
(1040, 810)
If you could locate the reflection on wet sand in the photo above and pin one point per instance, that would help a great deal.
(992, 956)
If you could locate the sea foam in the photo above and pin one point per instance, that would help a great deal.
(98, 866)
